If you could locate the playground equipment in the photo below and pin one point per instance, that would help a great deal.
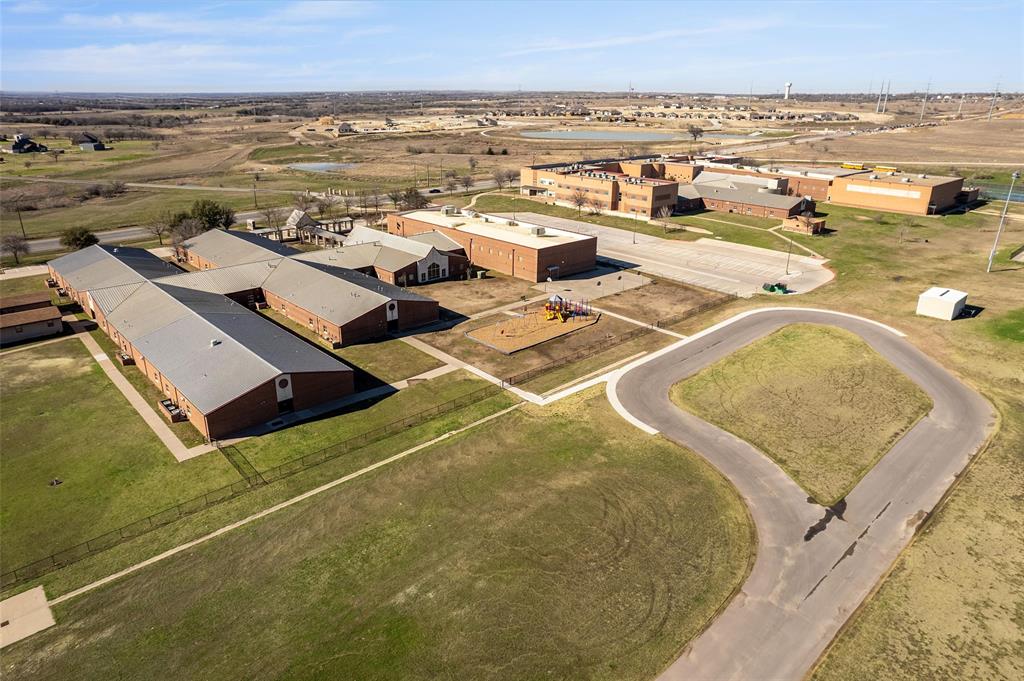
(563, 310)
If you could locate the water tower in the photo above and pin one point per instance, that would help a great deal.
(789, 86)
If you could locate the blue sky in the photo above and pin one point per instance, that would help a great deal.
(240, 46)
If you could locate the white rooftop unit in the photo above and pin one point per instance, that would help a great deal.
(941, 303)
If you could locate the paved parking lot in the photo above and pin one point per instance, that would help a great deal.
(710, 263)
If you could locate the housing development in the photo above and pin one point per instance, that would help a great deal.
(406, 341)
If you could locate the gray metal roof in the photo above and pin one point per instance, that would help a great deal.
(226, 279)
(336, 294)
(100, 266)
(739, 195)
(441, 242)
(234, 247)
(211, 348)
(106, 299)
(365, 235)
(355, 257)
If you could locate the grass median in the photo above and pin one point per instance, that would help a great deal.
(817, 400)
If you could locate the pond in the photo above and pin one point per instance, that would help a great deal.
(321, 167)
(601, 135)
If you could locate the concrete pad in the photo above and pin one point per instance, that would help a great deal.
(598, 282)
(24, 615)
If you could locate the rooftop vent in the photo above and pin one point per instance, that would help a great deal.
(923, 176)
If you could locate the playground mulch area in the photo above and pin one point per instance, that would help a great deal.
(527, 330)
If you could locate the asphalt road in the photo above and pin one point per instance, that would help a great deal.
(801, 590)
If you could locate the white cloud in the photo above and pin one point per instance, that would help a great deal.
(561, 45)
(155, 59)
(28, 7)
(294, 17)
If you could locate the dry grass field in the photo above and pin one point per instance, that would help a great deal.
(817, 400)
(999, 142)
(658, 300)
(469, 297)
(556, 543)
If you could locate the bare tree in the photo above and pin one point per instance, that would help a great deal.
(364, 201)
(375, 200)
(451, 183)
(346, 203)
(303, 201)
(467, 182)
(55, 154)
(161, 225)
(594, 204)
(186, 229)
(395, 197)
(499, 177)
(324, 206)
(273, 218)
(696, 132)
(472, 164)
(14, 245)
(579, 199)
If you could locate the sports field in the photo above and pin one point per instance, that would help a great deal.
(817, 400)
(556, 543)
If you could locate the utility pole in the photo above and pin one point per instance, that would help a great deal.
(885, 101)
(878, 104)
(924, 102)
(254, 202)
(789, 252)
(993, 104)
(961, 107)
(1002, 220)
(20, 221)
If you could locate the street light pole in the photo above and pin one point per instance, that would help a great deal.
(789, 252)
(254, 202)
(634, 226)
(1002, 220)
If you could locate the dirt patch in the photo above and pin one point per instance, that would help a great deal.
(527, 330)
(658, 300)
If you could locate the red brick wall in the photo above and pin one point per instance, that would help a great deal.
(257, 406)
(311, 389)
(413, 313)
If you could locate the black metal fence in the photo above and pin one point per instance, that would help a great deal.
(252, 479)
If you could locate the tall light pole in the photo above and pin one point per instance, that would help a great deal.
(1002, 220)
(924, 102)
(633, 210)
(789, 252)
(992, 105)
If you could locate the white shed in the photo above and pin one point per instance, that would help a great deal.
(941, 303)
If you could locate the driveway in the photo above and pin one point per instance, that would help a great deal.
(803, 585)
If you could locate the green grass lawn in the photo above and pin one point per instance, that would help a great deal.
(271, 450)
(135, 207)
(186, 432)
(735, 233)
(817, 400)
(387, 361)
(63, 419)
(1009, 326)
(20, 285)
(503, 203)
(523, 549)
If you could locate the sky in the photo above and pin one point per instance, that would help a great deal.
(722, 47)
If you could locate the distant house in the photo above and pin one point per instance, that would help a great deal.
(23, 144)
(87, 141)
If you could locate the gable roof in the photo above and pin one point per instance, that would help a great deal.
(211, 348)
(365, 235)
(226, 280)
(100, 266)
(300, 218)
(441, 242)
(232, 247)
(336, 294)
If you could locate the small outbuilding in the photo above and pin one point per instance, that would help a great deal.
(941, 303)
